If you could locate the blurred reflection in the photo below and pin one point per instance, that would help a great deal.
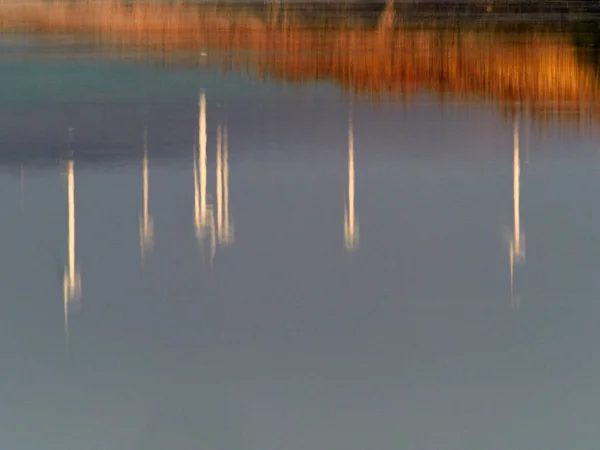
(542, 71)
(225, 230)
(517, 240)
(146, 221)
(350, 219)
(221, 232)
(204, 222)
(72, 277)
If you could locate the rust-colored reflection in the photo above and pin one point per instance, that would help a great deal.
(517, 240)
(72, 276)
(540, 71)
(350, 218)
(146, 220)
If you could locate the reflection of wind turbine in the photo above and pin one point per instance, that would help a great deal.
(146, 221)
(72, 277)
(351, 230)
(22, 187)
(225, 230)
(517, 240)
(203, 212)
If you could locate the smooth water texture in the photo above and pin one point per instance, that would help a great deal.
(196, 259)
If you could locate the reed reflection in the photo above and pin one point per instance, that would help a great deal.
(146, 220)
(350, 218)
(541, 71)
(517, 240)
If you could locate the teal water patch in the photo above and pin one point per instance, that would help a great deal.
(33, 82)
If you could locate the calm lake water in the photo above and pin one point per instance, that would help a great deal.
(318, 272)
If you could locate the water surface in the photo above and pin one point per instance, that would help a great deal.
(334, 273)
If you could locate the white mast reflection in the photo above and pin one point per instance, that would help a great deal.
(72, 277)
(22, 188)
(219, 182)
(203, 212)
(146, 221)
(351, 230)
(517, 240)
(225, 231)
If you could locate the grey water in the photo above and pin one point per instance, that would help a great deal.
(333, 274)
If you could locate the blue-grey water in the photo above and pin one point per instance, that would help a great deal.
(302, 318)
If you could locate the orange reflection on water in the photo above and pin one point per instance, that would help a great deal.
(539, 71)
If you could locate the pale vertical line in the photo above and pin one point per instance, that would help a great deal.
(22, 188)
(226, 183)
(351, 176)
(219, 181)
(517, 245)
(69, 281)
(202, 156)
(196, 193)
(350, 221)
(145, 229)
(516, 187)
(71, 212)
